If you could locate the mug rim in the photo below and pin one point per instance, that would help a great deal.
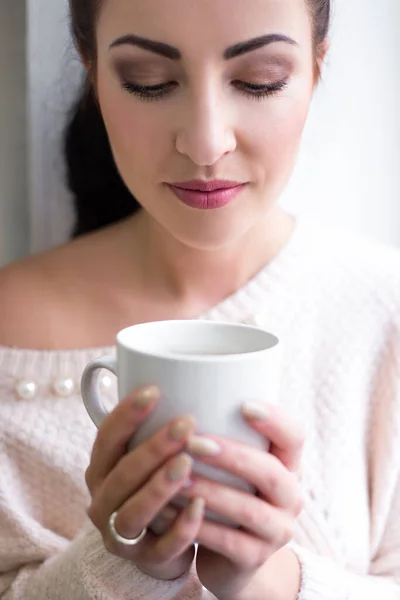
(274, 342)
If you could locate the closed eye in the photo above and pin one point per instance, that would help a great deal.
(161, 90)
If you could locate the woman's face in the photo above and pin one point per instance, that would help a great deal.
(217, 112)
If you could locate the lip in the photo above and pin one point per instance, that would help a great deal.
(207, 200)
(199, 185)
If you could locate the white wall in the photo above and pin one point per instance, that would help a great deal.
(348, 171)
(14, 231)
(54, 71)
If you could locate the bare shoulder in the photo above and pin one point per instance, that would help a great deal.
(58, 300)
(28, 301)
(43, 298)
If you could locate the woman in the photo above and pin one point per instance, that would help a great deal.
(182, 95)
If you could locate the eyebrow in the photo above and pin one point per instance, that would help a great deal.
(174, 54)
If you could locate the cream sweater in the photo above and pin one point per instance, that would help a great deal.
(334, 300)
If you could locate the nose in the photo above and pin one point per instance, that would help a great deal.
(206, 132)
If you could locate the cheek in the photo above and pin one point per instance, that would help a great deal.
(276, 134)
(135, 139)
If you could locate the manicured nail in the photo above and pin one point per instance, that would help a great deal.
(146, 397)
(188, 484)
(169, 513)
(195, 509)
(181, 429)
(201, 446)
(255, 411)
(180, 467)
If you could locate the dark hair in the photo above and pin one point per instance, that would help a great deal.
(100, 195)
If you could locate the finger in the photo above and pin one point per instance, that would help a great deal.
(258, 517)
(116, 431)
(286, 434)
(176, 545)
(182, 533)
(241, 548)
(259, 468)
(143, 507)
(155, 553)
(164, 520)
(135, 468)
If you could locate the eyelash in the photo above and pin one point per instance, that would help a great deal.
(156, 92)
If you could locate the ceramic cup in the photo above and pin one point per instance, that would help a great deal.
(203, 368)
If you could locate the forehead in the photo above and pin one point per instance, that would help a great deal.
(190, 24)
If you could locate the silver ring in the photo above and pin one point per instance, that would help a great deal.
(119, 538)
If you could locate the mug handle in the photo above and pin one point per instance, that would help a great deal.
(90, 387)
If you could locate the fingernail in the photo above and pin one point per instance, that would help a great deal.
(255, 411)
(180, 467)
(146, 397)
(203, 446)
(181, 429)
(196, 509)
(169, 513)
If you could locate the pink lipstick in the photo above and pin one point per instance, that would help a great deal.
(207, 195)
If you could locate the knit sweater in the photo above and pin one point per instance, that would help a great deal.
(334, 301)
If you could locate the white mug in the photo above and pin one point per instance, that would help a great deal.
(203, 368)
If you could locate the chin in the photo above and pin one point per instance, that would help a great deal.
(210, 230)
(212, 236)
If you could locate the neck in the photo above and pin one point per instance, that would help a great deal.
(199, 278)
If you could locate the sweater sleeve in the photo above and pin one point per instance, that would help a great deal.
(84, 570)
(321, 576)
(49, 549)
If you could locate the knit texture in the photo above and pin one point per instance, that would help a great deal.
(334, 301)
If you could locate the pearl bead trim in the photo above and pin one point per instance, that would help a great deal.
(64, 387)
(28, 389)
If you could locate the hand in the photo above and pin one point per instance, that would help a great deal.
(139, 484)
(229, 561)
